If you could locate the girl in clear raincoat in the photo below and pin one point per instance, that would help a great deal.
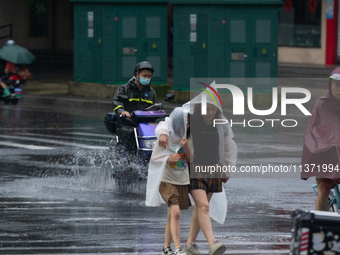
(168, 176)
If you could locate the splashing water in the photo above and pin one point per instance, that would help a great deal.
(73, 174)
(101, 170)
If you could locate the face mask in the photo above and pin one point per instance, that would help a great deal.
(144, 81)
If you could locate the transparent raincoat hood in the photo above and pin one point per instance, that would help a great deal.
(177, 127)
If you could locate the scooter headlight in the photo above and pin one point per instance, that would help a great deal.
(149, 144)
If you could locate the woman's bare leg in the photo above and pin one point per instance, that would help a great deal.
(201, 218)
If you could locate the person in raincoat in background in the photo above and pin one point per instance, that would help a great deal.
(321, 149)
(212, 146)
(169, 171)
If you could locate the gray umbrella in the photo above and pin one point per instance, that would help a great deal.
(16, 54)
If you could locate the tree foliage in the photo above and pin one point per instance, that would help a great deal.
(39, 6)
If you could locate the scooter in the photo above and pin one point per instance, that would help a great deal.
(14, 83)
(145, 139)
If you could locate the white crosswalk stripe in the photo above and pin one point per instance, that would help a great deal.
(54, 142)
(88, 248)
(25, 146)
(88, 134)
(61, 137)
(152, 249)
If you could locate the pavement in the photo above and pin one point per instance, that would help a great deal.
(56, 92)
(57, 194)
(61, 220)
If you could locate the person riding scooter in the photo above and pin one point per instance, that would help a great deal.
(138, 95)
(7, 68)
(9, 78)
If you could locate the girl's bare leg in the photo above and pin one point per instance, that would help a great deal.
(168, 237)
(175, 224)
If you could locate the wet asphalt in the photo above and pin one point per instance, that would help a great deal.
(57, 194)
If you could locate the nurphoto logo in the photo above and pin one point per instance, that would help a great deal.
(238, 104)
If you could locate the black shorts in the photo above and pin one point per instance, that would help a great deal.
(206, 181)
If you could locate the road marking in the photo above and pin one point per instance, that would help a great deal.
(135, 248)
(88, 134)
(34, 202)
(58, 137)
(25, 146)
(256, 252)
(55, 142)
(49, 128)
(74, 240)
(257, 243)
(53, 208)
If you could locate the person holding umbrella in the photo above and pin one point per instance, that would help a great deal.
(13, 54)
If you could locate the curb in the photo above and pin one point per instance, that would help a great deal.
(69, 101)
(65, 101)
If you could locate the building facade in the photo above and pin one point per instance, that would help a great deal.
(308, 32)
(50, 30)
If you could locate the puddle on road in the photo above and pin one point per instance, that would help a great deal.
(76, 175)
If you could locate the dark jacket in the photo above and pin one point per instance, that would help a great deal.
(138, 100)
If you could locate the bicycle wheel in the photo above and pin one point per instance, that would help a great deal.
(334, 206)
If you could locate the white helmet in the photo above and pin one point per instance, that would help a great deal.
(10, 42)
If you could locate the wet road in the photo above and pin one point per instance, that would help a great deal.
(57, 195)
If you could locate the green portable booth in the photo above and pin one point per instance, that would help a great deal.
(224, 39)
(112, 36)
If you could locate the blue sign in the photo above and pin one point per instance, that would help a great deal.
(330, 9)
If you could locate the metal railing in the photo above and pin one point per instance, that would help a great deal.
(10, 31)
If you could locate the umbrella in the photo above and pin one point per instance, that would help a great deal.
(17, 54)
